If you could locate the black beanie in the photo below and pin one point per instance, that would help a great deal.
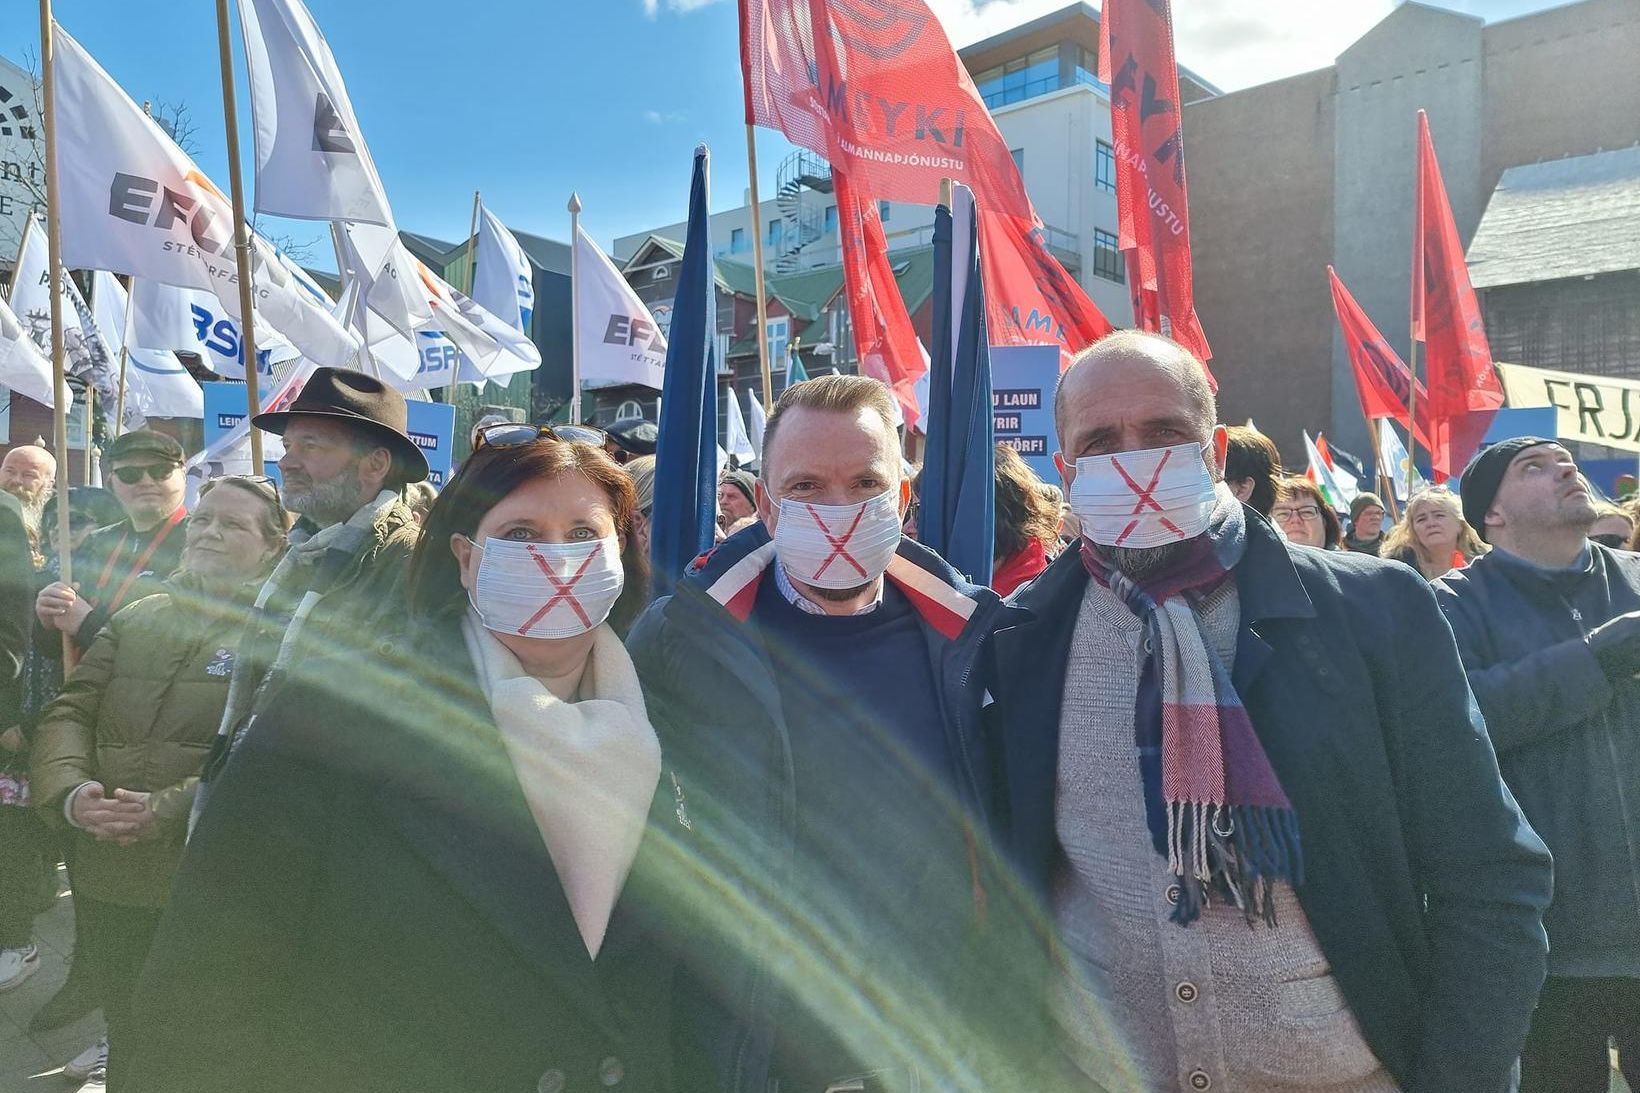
(1485, 473)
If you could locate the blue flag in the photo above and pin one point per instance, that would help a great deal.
(958, 499)
(686, 452)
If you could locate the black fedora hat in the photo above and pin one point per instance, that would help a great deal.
(341, 394)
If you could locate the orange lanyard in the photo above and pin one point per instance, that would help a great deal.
(139, 565)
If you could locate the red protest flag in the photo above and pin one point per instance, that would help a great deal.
(1464, 392)
(880, 93)
(1136, 60)
(885, 342)
(1382, 380)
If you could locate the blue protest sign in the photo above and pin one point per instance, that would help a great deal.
(433, 429)
(1022, 385)
(224, 409)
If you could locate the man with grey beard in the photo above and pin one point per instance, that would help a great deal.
(29, 473)
(347, 458)
(1249, 784)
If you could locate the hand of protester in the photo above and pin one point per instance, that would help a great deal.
(12, 739)
(140, 825)
(103, 816)
(60, 607)
(1616, 644)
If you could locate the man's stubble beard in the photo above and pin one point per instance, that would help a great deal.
(331, 502)
(1141, 563)
(837, 595)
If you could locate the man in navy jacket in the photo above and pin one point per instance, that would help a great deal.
(831, 763)
(1548, 624)
(1406, 951)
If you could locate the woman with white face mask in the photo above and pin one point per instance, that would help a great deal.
(457, 851)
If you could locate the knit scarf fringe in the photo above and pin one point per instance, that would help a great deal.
(1235, 853)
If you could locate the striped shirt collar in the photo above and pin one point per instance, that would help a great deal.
(789, 590)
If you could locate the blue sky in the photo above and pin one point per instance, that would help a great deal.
(527, 100)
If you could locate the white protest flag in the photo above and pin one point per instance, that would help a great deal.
(191, 320)
(734, 431)
(759, 422)
(619, 340)
(132, 202)
(156, 383)
(1323, 475)
(23, 368)
(87, 355)
(503, 279)
(311, 159)
(1397, 462)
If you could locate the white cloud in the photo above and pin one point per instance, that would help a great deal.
(651, 8)
(669, 117)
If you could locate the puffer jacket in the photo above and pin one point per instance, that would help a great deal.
(140, 712)
(1567, 736)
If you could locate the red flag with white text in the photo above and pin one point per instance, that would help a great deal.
(878, 90)
(885, 343)
(1464, 391)
(1136, 59)
(1382, 380)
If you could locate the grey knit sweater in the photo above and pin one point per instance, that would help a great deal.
(1141, 1003)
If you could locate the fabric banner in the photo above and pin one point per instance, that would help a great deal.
(1464, 391)
(736, 441)
(880, 93)
(503, 278)
(885, 342)
(23, 368)
(1382, 381)
(311, 159)
(1136, 60)
(135, 203)
(191, 320)
(156, 383)
(1397, 463)
(88, 355)
(619, 340)
(1596, 409)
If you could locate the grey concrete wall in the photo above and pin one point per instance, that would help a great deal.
(1417, 58)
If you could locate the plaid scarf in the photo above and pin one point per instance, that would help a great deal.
(1216, 810)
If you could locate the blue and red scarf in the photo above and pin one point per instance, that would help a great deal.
(1216, 809)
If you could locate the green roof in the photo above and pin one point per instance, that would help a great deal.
(806, 294)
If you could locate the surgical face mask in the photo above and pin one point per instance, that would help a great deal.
(1144, 499)
(546, 590)
(838, 546)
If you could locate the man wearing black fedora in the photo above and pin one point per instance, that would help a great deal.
(347, 458)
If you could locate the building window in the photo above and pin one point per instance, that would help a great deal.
(777, 233)
(1107, 259)
(737, 240)
(1086, 72)
(882, 211)
(1104, 167)
(1020, 79)
(779, 337)
(1018, 155)
(831, 219)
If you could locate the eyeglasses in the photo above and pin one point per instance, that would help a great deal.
(1303, 512)
(159, 472)
(516, 435)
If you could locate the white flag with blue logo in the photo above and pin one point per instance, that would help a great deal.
(619, 339)
(191, 320)
(133, 202)
(1397, 461)
(23, 368)
(503, 279)
(156, 383)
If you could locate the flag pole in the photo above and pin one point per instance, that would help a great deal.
(241, 235)
(1412, 416)
(574, 309)
(472, 279)
(119, 400)
(54, 260)
(90, 422)
(1385, 475)
(757, 267)
(367, 360)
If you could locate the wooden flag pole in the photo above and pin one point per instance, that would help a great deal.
(90, 423)
(1412, 417)
(574, 309)
(119, 399)
(241, 235)
(1386, 476)
(54, 260)
(757, 267)
(472, 279)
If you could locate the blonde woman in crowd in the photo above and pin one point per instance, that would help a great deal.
(1432, 536)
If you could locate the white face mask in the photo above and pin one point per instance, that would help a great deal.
(546, 590)
(838, 546)
(1144, 499)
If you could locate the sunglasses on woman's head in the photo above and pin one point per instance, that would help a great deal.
(1611, 539)
(513, 435)
(159, 472)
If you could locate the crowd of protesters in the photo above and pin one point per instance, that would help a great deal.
(1225, 783)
